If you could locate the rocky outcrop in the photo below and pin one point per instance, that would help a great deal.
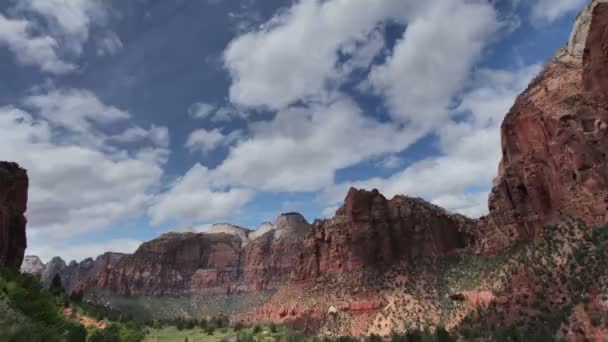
(53, 267)
(175, 263)
(372, 232)
(222, 260)
(226, 228)
(269, 260)
(13, 204)
(555, 143)
(73, 275)
(33, 265)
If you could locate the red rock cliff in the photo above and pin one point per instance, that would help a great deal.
(555, 141)
(13, 204)
(370, 231)
(224, 260)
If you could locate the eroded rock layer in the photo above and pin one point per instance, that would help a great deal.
(13, 204)
(220, 261)
(555, 142)
(370, 231)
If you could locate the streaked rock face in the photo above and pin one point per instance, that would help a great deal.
(370, 231)
(13, 204)
(223, 259)
(270, 259)
(555, 143)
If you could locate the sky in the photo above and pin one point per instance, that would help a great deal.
(134, 118)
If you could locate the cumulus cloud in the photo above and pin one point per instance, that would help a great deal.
(76, 184)
(471, 149)
(45, 33)
(267, 65)
(206, 141)
(31, 49)
(69, 21)
(193, 198)
(302, 147)
(75, 109)
(432, 61)
(552, 10)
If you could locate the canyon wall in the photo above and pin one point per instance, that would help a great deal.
(555, 142)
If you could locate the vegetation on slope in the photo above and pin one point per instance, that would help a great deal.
(31, 313)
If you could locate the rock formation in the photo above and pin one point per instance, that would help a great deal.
(555, 142)
(73, 275)
(53, 267)
(13, 204)
(221, 260)
(32, 264)
(370, 231)
(269, 260)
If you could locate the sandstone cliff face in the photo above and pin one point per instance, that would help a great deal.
(175, 263)
(555, 143)
(269, 260)
(13, 204)
(223, 260)
(370, 231)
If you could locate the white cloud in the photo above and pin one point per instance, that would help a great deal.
(77, 187)
(268, 67)
(192, 198)
(302, 147)
(45, 33)
(158, 135)
(459, 180)
(201, 110)
(206, 141)
(432, 61)
(75, 109)
(31, 49)
(551, 10)
(81, 251)
(68, 21)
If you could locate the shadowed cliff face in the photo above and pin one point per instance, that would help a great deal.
(555, 142)
(371, 232)
(13, 204)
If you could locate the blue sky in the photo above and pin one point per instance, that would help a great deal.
(135, 118)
